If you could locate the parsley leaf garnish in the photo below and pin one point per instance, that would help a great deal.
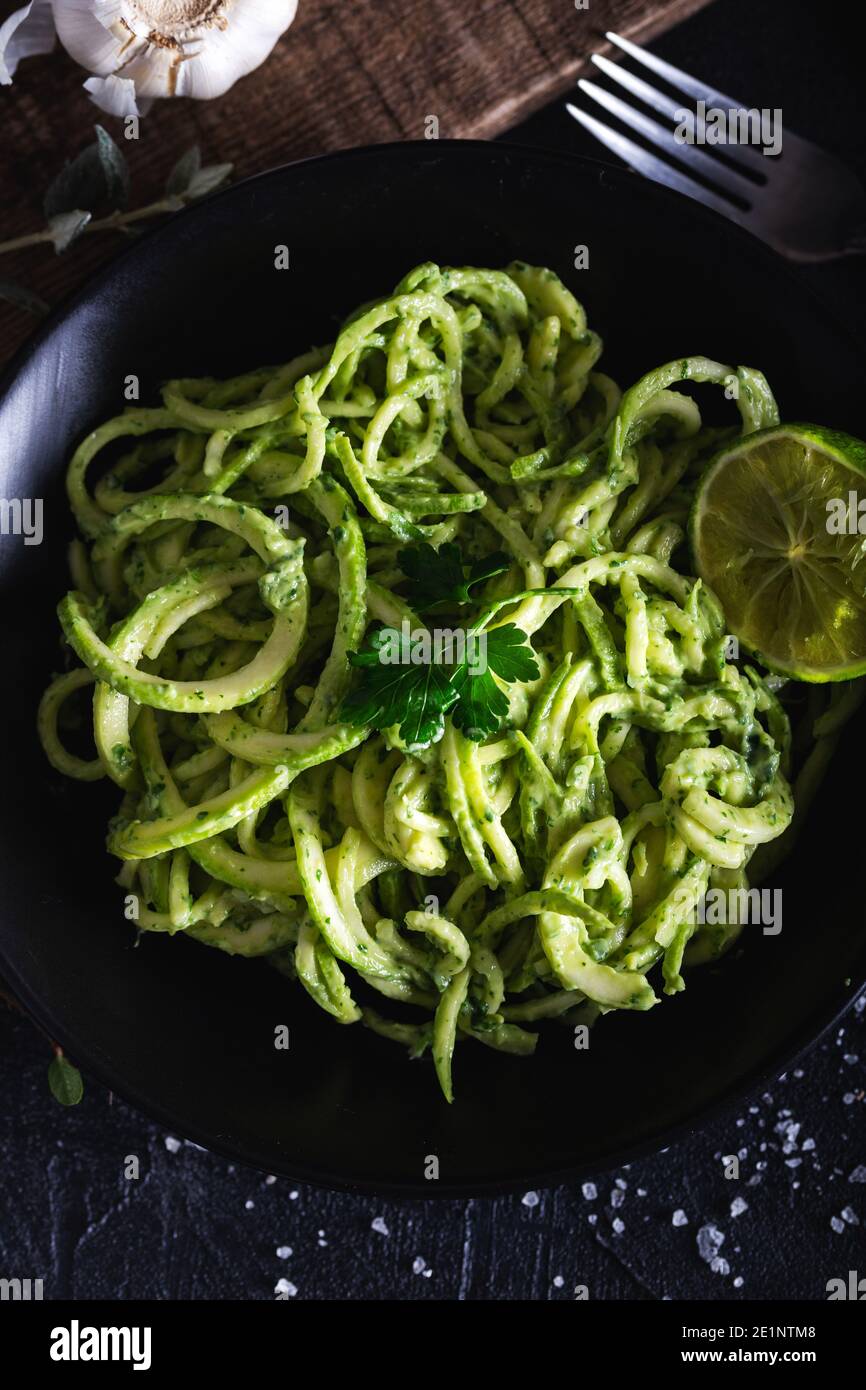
(417, 696)
(481, 705)
(440, 576)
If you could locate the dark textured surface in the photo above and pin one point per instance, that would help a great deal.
(192, 1226)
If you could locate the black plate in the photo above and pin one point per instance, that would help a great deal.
(187, 1034)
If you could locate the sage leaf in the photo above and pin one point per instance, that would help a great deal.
(208, 180)
(65, 1081)
(66, 227)
(98, 175)
(114, 168)
(188, 180)
(23, 298)
(183, 173)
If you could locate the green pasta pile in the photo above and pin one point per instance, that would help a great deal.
(397, 678)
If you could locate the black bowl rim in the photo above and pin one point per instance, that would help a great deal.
(813, 1027)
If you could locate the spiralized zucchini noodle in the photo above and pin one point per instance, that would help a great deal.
(239, 541)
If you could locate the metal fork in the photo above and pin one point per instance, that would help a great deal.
(803, 202)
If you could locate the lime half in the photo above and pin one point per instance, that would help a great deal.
(776, 533)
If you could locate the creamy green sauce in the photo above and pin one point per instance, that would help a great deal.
(246, 538)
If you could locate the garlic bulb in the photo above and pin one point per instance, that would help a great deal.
(141, 49)
(25, 33)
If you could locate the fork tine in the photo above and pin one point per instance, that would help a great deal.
(713, 169)
(665, 105)
(677, 78)
(645, 163)
(701, 91)
(743, 155)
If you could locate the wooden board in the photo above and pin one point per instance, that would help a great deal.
(348, 72)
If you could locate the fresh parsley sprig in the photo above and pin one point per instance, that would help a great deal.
(416, 696)
(481, 704)
(441, 576)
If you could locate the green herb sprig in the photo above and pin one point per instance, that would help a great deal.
(415, 694)
(64, 1079)
(441, 576)
(98, 179)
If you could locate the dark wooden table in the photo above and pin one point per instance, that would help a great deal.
(195, 1227)
(348, 72)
